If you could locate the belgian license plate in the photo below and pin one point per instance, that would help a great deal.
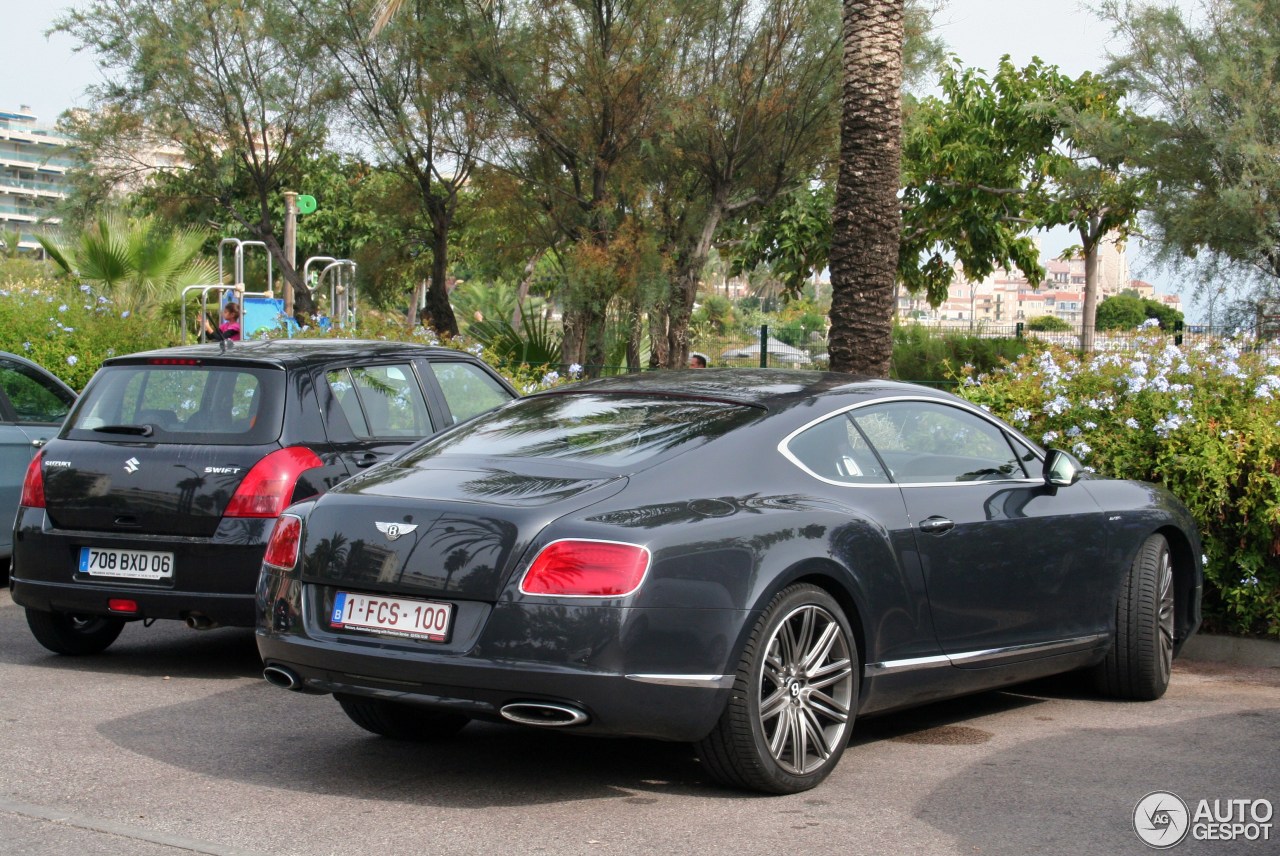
(415, 619)
(126, 564)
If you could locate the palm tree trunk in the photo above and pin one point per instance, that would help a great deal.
(867, 217)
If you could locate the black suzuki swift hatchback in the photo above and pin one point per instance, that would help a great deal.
(158, 496)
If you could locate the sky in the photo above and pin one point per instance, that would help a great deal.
(46, 74)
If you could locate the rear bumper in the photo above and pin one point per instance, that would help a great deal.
(212, 577)
(635, 672)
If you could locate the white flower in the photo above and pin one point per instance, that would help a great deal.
(85, 288)
(72, 360)
(62, 308)
(1057, 406)
(530, 387)
(1090, 426)
(1132, 424)
(124, 314)
(1150, 322)
(26, 346)
(1020, 416)
(575, 370)
(1081, 450)
(1073, 431)
(1049, 437)
(550, 378)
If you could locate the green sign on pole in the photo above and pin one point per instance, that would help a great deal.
(306, 204)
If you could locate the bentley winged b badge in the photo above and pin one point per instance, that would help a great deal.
(394, 530)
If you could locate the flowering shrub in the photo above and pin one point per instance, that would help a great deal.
(1204, 421)
(70, 330)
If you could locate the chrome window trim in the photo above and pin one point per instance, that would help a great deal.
(916, 663)
(717, 682)
(959, 405)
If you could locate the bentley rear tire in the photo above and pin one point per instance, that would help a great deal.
(794, 697)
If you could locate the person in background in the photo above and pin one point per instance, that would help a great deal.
(697, 361)
(229, 329)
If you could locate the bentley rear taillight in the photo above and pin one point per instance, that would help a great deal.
(583, 568)
(282, 549)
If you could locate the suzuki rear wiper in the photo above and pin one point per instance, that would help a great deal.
(140, 430)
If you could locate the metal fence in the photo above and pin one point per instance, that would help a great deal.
(766, 350)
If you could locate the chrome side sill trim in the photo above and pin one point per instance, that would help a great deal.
(713, 682)
(969, 657)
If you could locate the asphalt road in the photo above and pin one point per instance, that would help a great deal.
(171, 743)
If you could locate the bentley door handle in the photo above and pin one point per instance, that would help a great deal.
(936, 525)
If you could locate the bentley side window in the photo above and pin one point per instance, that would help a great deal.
(927, 443)
(835, 450)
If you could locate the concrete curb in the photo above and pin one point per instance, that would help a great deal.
(1235, 650)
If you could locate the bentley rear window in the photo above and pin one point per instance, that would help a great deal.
(607, 430)
(214, 405)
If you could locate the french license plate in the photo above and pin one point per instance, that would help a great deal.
(126, 564)
(415, 619)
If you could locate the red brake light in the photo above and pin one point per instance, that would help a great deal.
(574, 568)
(119, 604)
(33, 484)
(267, 488)
(282, 549)
(173, 361)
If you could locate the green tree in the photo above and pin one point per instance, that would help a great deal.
(1048, 324)
(233, 84)
(754, 117)
(995, 158)
(1128, 312)
(1209, 82)
(410, 97)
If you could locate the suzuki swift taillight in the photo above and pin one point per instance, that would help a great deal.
(581, 568)
(282, 549)
(33, 484)
(268, 487)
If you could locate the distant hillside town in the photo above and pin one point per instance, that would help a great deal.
(1007, 298)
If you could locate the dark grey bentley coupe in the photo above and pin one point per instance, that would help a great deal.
(746, 560)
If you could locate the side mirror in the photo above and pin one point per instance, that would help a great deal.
(1060, 469)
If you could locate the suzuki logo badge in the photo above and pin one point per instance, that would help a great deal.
(131, 466)
(395, 530)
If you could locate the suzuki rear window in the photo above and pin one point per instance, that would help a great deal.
(206, 405)
(607, 430)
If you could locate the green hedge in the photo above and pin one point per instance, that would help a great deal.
(926, 355)
(70, 330)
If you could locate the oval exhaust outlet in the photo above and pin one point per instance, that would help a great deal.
(543, 714)
(285, 679)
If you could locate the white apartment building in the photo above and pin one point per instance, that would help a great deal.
(34, 162)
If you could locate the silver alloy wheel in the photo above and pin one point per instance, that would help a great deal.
(806, 689)
(1164, 584)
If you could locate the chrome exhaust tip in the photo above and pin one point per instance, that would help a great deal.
(200, 621)
(543, 714)
(279, 676)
